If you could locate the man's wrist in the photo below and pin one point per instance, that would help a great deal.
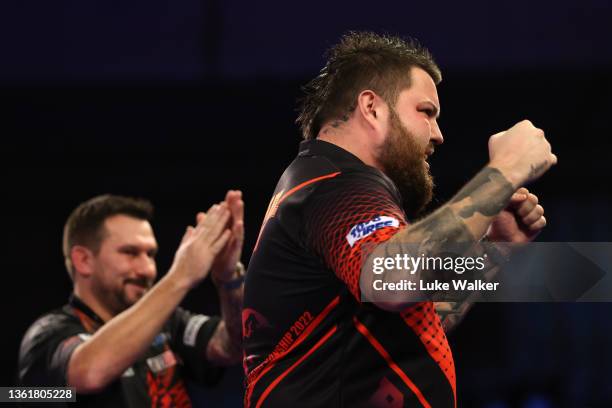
(509, 173)
(177, 280)
(235, 282)
(500, 254)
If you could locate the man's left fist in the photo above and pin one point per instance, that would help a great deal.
(521, 221)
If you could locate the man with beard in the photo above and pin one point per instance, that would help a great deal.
(122, 340)
(312, 338)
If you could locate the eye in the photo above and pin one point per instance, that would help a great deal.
(428, 111)
(129, 251)
(152, 253)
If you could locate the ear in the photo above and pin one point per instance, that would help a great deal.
(82, 260)
(373, 110)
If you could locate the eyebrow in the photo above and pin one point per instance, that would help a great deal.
(134, 247)
(436, 110)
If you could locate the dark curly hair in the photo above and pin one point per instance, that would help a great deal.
(361, 60)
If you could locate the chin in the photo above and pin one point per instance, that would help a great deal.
(132, 296)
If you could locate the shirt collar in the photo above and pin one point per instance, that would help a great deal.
(316, 147)
(77, 303)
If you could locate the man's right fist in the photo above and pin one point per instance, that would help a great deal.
(521, 153)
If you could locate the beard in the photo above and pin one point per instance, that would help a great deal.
(402, 160)
(116, 298)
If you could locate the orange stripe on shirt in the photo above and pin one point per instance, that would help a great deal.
(304, 184)
(381, 350)
(278, 379)
(276, 201)
(424, 321)
(255, 375)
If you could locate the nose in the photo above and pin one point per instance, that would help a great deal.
(436, 134)
(146, 267)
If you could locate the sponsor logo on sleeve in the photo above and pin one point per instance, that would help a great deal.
(192, 329)
(162, 361)
(364, 229)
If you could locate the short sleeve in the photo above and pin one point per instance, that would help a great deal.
(344, 215)
(190, 336)
(46, 350)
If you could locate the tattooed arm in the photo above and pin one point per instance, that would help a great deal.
(225, 345)
(452, 313)
(520, 222)
(517, 156)
(464, 219)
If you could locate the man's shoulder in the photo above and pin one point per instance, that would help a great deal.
(309, 173)
(38, 363)
(49, 325)
(356, 181)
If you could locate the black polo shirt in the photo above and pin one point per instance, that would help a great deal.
(156, 380)
(309, 341)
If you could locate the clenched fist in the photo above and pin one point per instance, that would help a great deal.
(521, 153)
(521, 221)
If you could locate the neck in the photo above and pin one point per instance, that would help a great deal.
(90, 300)
(353, 142)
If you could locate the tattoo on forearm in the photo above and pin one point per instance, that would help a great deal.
(489, 192)
(452, 313)
(227, 340)
(232, 314)
(486, 194)
(443, 227)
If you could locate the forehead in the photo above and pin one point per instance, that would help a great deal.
(123, 229)
(422, 88)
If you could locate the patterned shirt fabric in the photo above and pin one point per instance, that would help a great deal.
(309, 340)
(155, 380)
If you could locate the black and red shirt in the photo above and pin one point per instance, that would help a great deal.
(156, 380)
(309, 340)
